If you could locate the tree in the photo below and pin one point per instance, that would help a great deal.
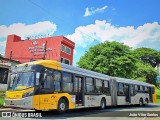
(148, 56)
(110, 58)
(145, 73)
(117, 59)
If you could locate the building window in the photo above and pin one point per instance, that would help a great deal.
(65, 49)
(68, 50)
(64, 60)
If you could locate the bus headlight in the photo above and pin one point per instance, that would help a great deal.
(27, 94)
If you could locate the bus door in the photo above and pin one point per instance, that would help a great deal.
(127, 93)
(79, 90)
(47, 88)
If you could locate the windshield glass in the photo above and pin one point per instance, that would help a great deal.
(19, 81)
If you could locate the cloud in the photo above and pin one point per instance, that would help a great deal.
(91, 11)
(103, 31)
(2, 47)
(23, 30)
(75, 51)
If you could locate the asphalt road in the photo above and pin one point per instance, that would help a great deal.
(121, 112)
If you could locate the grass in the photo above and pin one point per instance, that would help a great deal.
(2, 94)
(158, 95)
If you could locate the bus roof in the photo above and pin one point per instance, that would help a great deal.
(45, 63)
(84, 72)
(131, 81)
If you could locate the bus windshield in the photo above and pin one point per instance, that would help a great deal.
(20, 81)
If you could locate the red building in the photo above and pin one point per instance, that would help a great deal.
(57, 48)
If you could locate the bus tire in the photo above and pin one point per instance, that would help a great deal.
(62, 106)
(141, 102)
(103, 104)
(146, 101)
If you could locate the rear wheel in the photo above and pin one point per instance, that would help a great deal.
(103, 104)
(62, 106)
(141, 102)
(146, 101)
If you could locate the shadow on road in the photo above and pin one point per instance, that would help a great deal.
(116, 111)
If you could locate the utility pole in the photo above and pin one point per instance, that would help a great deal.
(10, 57)
(45, 50)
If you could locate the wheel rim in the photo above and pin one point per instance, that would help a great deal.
(62, 106)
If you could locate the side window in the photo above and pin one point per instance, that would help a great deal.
(98, 86)
(141, 88)
(77, 84)
(138, 87)
(120, 89)
(132, 90)
(89, 85)
(48, 80)
(146, 89)
(106, 89)
(135, 89)
(67, 82)
(57, 80)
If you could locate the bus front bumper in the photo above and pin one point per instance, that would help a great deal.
(19, 103)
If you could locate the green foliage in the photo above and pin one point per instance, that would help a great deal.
(158, 84)
(148, 56)
(2, 94)
(158, 95)
(117, 59)
(145, 73)
(111, 58)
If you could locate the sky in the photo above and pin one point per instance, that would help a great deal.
(135, 23)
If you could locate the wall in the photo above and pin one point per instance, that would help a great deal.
(26, 50)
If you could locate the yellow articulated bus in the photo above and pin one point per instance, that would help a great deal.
(50, 85)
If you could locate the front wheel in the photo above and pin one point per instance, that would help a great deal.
(103, 104)
(62, 106)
